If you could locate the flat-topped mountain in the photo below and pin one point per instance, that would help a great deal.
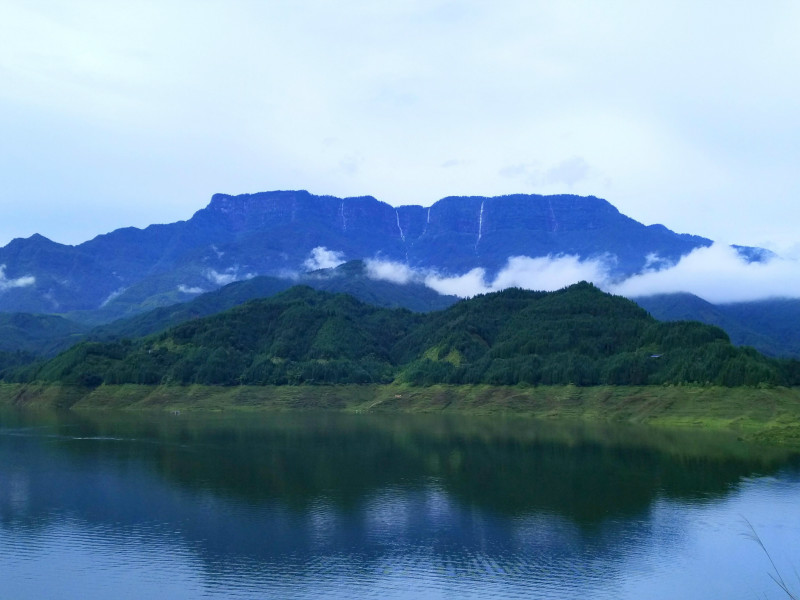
(453, 235)
(274, 233)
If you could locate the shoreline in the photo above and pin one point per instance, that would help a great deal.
(769, 415)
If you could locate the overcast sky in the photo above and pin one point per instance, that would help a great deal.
(131, 113)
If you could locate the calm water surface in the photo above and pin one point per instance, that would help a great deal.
(328, 505)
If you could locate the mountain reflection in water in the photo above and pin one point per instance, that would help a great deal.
(329, 504)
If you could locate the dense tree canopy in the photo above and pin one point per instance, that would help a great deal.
(577, 335)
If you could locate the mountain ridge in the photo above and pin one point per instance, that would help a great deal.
(273, 233)
(771, 326)
(577, 335)
(46, 335)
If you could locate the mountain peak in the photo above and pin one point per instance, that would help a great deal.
(34, 244)
(228, 203)
(278, 232)
(37, 239)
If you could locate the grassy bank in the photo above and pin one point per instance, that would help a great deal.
(770, 415)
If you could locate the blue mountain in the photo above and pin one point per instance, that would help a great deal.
(130, 270)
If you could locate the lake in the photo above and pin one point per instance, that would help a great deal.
(310, 505)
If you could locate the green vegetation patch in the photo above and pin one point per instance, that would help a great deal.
(578, 336)
(762, 415)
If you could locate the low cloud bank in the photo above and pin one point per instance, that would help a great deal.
(464, 286)
(185, 289)
(322, 258)
(718, 274)
(550, 273)
(543, 273)
(229, 275)
(392, 271)
(7, 284)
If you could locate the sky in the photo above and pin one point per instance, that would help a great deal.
(131, 113)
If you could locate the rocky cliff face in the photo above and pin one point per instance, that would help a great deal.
(273, 233)
(453, 234)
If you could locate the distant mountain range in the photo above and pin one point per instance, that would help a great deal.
(274, 233)
(47, 335)
(273, 240)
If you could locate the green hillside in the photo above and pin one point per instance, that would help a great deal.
(45, 335)
(349, 278)
(770, 326)
(204, 305)
(577, 335)
(37, 334)
(352, 278)
(24, 338)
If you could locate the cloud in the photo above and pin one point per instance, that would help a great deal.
(568, 172)
(322, 258)
(653, 262)
(545, 273)
(230, 275)
(528, 170)
(550, 273)
(463, 286)
(391, 271)
(7, 284)
(719, 275)
(220, 278)
(112, 296)
(183, 289)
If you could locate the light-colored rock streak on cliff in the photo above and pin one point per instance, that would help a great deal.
(400, 229)
(480, 226)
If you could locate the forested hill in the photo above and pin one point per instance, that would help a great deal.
(771, 326)
(576, 335)
(349, 278)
